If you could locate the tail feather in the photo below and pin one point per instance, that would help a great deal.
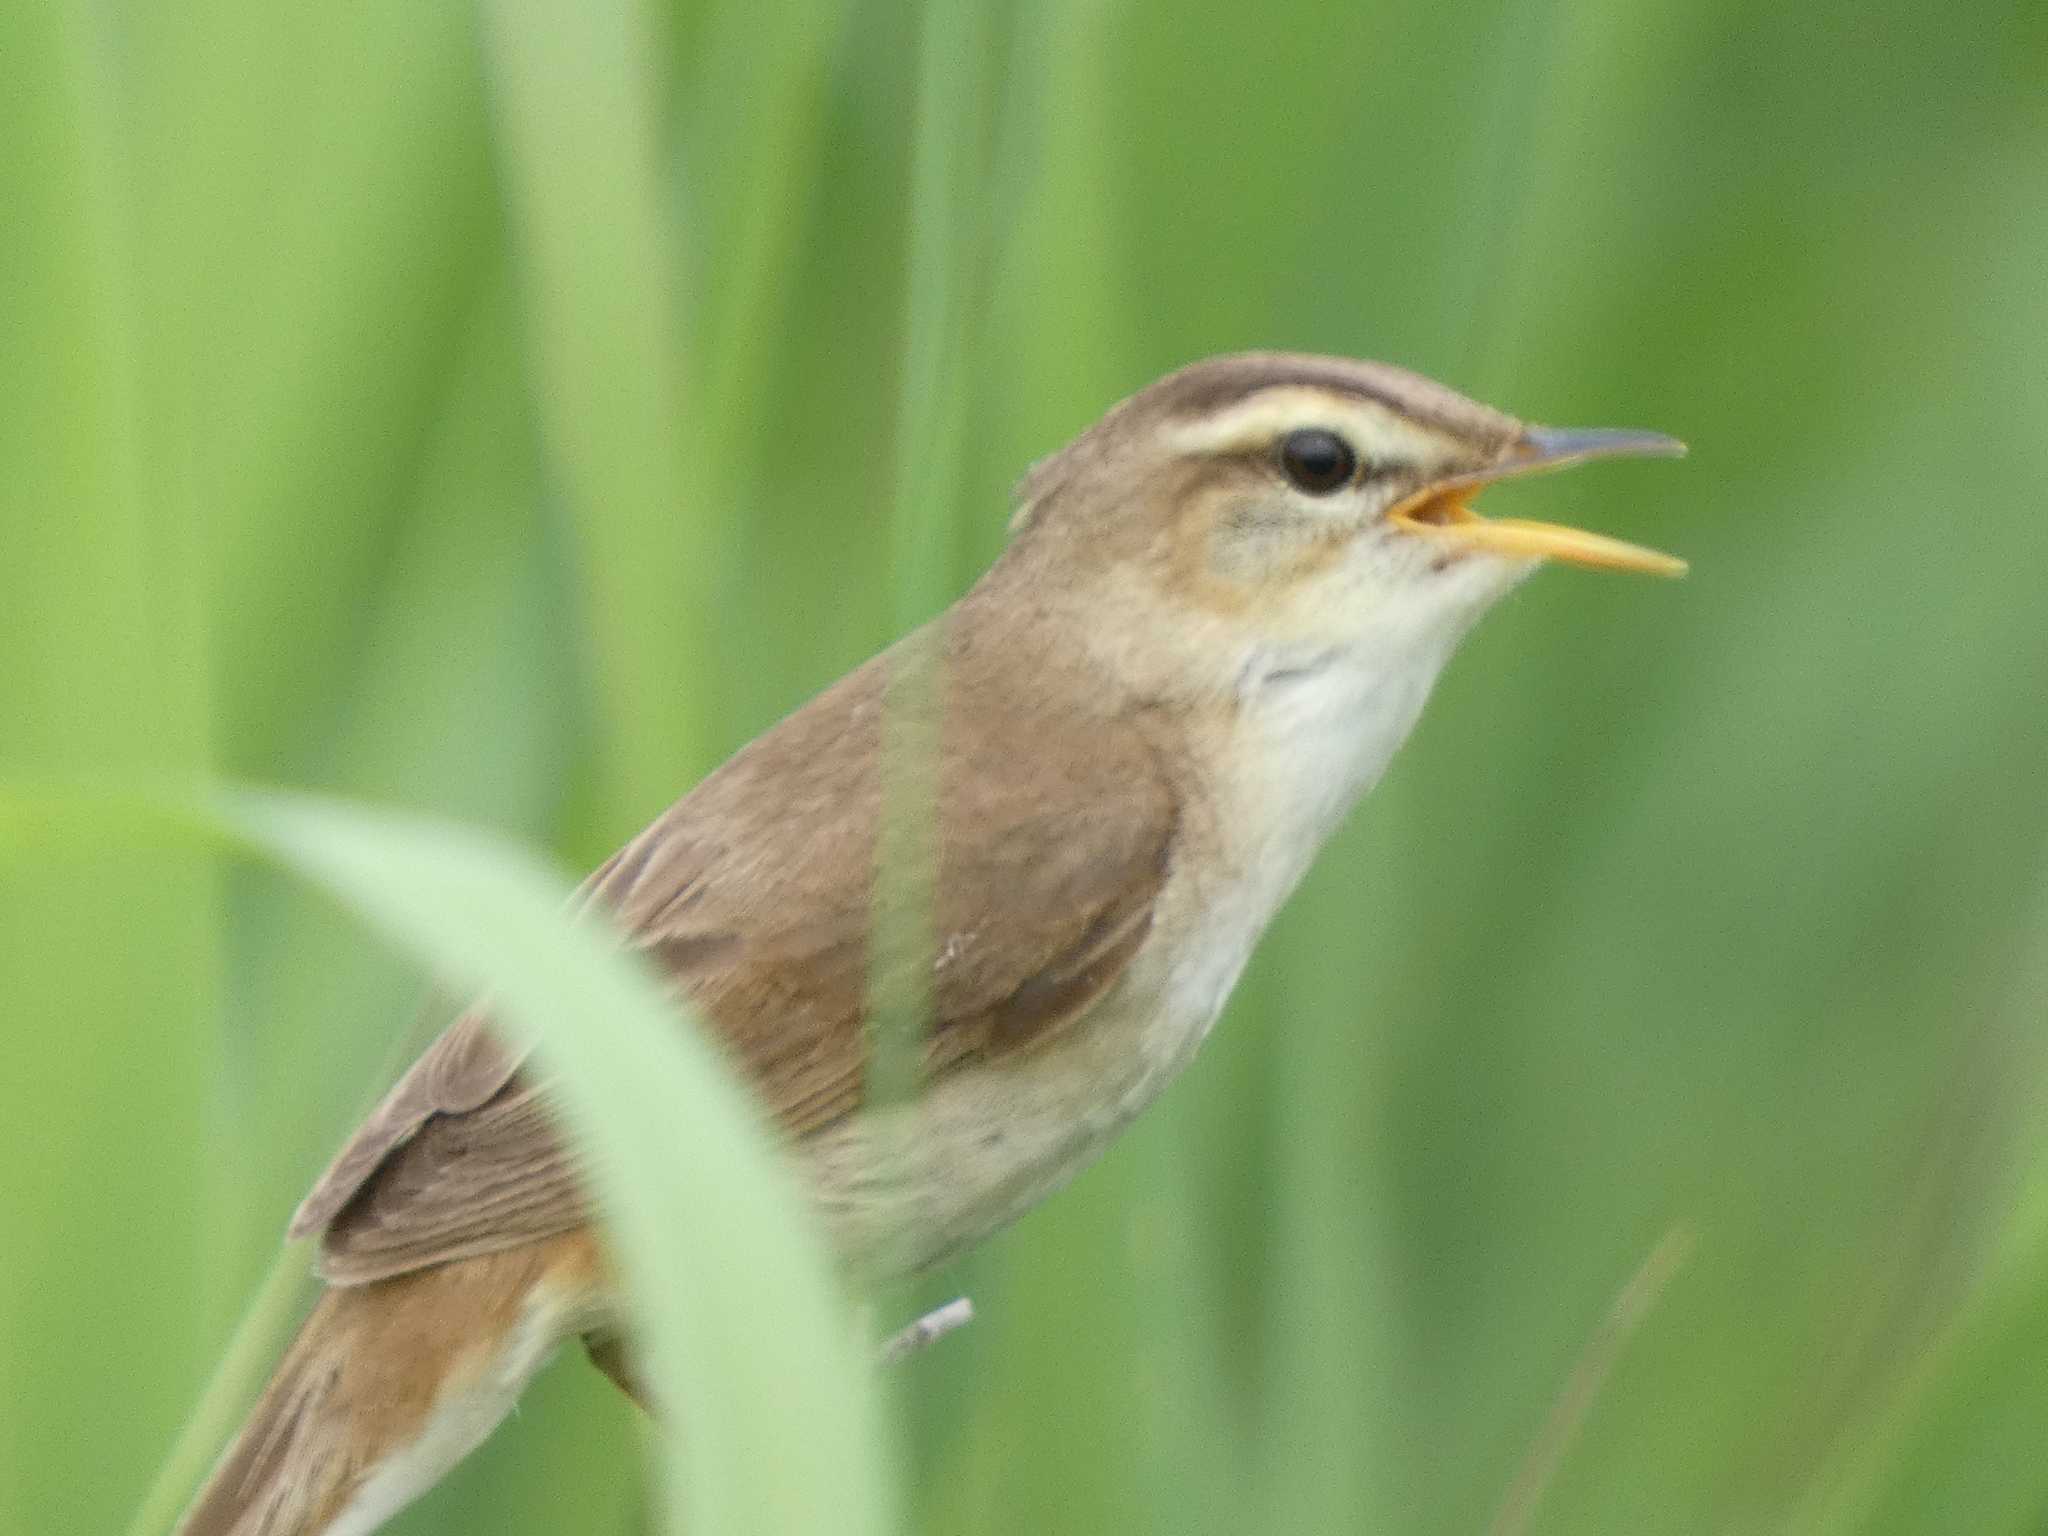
(283, 1468)
(388, 1385)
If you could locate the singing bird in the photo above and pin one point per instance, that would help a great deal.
(1220, 611)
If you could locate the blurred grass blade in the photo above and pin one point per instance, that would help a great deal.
(738, 1318)
(1581, 1389)
(751, 158)
(575, 98)
(741, 1328)
(951, 75)
(1963, 1402)
(948, 166)
(106, 1205)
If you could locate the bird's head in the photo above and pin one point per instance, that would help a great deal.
(1283, 506)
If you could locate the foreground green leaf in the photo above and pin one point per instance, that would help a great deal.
(740, 1323)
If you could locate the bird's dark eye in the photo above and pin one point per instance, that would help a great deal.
(1317, 460)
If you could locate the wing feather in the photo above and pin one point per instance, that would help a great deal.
(752, 894)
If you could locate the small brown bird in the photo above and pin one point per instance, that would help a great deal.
(1219, 615)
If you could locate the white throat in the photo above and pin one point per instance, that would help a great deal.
(1317, 727)
(1315, 734)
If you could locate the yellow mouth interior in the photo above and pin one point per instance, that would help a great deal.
(1446, 517)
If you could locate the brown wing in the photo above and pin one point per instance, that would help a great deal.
(459, 1073)
(754, 894)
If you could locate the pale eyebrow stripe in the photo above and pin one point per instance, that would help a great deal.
(1374, 431)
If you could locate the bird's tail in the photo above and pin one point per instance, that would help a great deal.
(389, 1384)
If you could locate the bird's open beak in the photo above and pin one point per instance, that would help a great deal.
(1440, 510)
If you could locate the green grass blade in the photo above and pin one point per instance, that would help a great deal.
(110, 1011)
(743, 1333)
(947, 166)
(575, 98)
(740, 1323)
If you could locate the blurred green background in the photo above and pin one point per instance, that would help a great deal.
(1635, 1123)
